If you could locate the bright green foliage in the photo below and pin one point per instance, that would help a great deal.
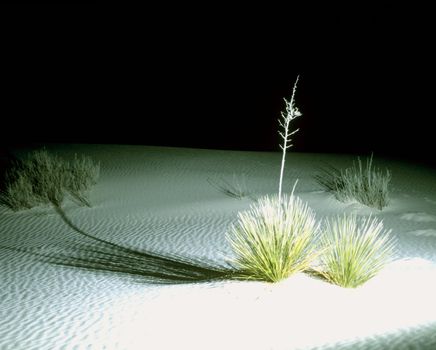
(367, 185)
(274, 238)
(42, 178)
(355, 250)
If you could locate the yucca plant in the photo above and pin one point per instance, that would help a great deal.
(274, 238)
(365, 184)
(355, 250)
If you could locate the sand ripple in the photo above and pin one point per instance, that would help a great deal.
(158, 200)
(419, 217)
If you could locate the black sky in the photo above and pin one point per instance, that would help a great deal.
(215, 77)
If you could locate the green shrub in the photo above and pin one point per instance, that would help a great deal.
(367, 185)
(274, 238)
(42, 178)
(355, 250)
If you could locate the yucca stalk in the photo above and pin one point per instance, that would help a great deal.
(290, 114)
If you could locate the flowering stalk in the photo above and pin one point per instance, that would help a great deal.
(291, 113)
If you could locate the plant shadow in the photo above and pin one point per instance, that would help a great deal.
(235, 188)
(103, 255)
(327, 176)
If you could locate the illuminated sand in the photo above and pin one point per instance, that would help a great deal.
(160, 199)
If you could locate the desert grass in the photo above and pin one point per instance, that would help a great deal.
(356, 249)
(83, 174)
(365, 184)
(274, 239)
(43, 178)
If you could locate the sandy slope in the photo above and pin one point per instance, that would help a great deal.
(160, 199)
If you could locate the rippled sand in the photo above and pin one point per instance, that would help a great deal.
(162, 200)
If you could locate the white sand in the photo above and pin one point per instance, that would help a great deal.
(159, 199)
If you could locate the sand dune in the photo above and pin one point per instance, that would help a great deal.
(160, 200)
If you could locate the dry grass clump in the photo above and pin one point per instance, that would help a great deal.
(43, 178)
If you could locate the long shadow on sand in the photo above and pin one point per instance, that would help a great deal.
(102, 255)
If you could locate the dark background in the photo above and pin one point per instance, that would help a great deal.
(215, 77)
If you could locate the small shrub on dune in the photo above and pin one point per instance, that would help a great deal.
(355, 250)
(82, 175)
(367, 185)
(43, 178)
(34, 181)
(274, 239)
(18, 194)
